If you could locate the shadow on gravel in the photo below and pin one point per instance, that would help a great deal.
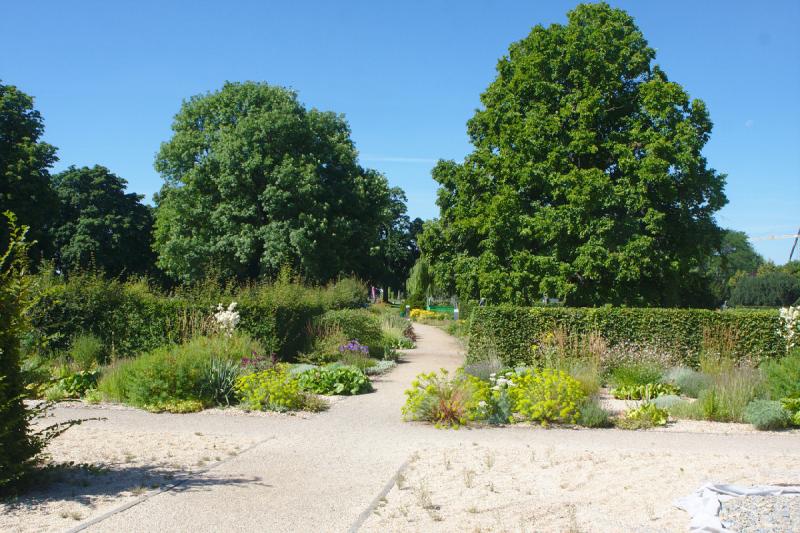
(90, 484)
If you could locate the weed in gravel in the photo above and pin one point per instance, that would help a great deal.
(469, 478)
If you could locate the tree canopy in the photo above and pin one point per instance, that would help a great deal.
(24, 163)
(586, 181)
(99, 225)
(735, 259)
(255, 181)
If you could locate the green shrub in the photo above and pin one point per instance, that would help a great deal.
(634, 375)
(19, 447)
(689, 381)
(334, 380)
(218, 386)
(644, 392)
(75, 384)
(592, 415)
(546, 396)
(132, 317)
(445, 400)
(674, 335)
(645, 416)
(176, 373)
(86, 351)
(783, 376)
(356, 324)
(358, 360)
(271, 390)
(767, 415)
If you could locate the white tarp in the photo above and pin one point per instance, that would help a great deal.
(703, 505)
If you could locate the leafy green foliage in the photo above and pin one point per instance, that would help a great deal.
(783, 376)
(24, 162)
(335, 380)
(587, 180)
(255, 181)
(86, 351)
(131, 317)
(99, 225)
(219, 383)
(444, 400)
(75, 384)
(767, 415)
(546, 396)
(770, 289)
(645, 416)
(647, 391)
(179, 372)
(511, 331)
(272, 390)
(19, 448)
(356, 324)
(735, 258)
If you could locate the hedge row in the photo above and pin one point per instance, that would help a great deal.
(509, 332)
(130, 318)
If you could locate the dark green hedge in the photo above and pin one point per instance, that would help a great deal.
(130, 318)
(510, 331)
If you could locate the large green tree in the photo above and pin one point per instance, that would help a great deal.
(99, 225)
(24, 163)
(255, 181)
(735, 258)
(587, 180)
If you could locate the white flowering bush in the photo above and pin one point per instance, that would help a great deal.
(790, 318)
(226, 319)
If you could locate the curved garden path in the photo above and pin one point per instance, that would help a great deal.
(321, 472)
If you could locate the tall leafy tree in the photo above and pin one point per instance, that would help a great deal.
(255, 181)
(587, 180)
(24, 163)
(735, 254)
(99, 225)
(397, 248)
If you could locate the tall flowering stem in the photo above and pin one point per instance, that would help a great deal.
(226, 319)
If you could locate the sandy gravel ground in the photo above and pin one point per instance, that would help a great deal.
(477, 488)
(320, 472)
(102, 468)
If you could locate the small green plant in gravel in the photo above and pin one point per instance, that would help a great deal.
(271, 390)
(445, 399)
(334, 380)
(644, 392)
(767, 415)
(546, 396)
(783, 376)
(645, 416)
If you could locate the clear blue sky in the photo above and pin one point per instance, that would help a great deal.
(109, 76)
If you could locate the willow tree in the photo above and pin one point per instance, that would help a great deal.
(587, 180)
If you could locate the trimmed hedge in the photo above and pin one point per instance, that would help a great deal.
(130, 318)
(510, 331)
(356, 324)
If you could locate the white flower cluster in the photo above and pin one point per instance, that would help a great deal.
(790, 316)
(227, 319)
(503, 382)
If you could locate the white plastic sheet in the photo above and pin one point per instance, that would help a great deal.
(703, 505)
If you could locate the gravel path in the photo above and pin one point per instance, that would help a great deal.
(320, 472)
(761, 514)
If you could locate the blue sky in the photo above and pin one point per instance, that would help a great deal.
(109, 76)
